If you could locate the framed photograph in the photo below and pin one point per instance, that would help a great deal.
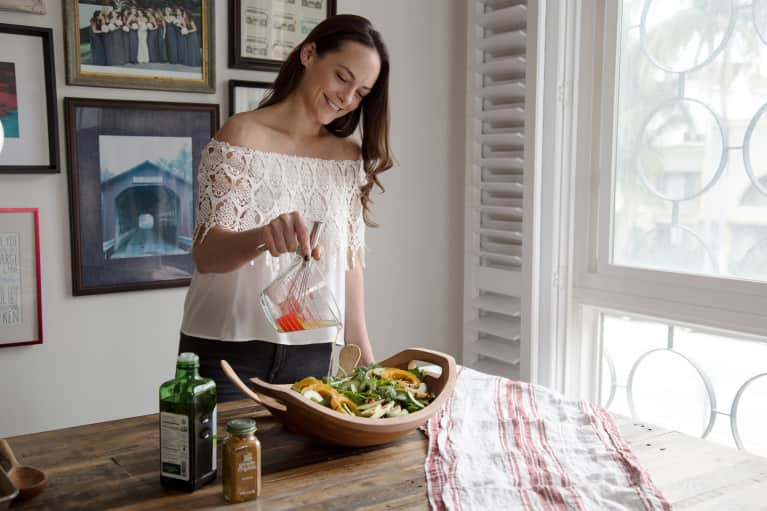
(262, 33)
(29, 139)
(245, 96)
(21, 311)
(157, 44)
(132, 183)
(33, 6)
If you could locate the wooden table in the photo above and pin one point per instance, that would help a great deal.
(696, 474)
(115, 465)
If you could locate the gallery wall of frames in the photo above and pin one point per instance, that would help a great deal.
(130, 162)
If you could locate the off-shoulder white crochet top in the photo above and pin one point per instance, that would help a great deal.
(242, 188)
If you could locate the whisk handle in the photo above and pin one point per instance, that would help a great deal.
(314, 237)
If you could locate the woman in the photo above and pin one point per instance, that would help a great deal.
(181, 32)
(98, 52)
(108, 29)
(162, 47)
(193, 49)
(119, 41)
(143, 46)
(264, 179)
(171, 37)
(133, 36)
(152, 37)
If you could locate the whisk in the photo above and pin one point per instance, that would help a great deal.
(299, 279)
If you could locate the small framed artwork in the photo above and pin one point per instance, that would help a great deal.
(33, 6)
(21, 312)
(245, 96)
(28, 117)
(146, 45)
(263, 32)
(132, 183)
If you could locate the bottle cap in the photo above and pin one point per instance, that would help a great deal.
(238, 426)
(188, 360)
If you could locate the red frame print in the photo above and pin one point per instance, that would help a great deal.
(11, 293)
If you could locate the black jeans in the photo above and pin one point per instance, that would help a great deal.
(273, 363)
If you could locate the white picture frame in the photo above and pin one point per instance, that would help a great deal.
(33, 6)
(246, 95)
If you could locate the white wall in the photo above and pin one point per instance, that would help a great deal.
(104, 356)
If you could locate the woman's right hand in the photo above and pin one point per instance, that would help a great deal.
(286, 234)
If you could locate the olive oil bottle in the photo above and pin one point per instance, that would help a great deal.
(187, 427)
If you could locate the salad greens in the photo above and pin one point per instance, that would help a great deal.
(372, 391)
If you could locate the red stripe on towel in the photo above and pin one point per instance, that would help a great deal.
(509, 457)
(552, 493)
(520, 440)
(435, 477)
(599, 430)
(453, 466)
(628, 455)
(547, 447)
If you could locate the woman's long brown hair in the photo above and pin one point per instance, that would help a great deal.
(328, 36)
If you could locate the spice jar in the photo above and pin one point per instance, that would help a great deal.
(241, 461)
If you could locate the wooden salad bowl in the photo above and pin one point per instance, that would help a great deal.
(304, 416)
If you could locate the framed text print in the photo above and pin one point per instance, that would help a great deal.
(262, 33)
(21, 312)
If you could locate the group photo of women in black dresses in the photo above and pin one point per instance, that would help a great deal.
(155, 35)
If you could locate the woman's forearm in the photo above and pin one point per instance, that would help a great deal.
(223, 250)
(355, 327)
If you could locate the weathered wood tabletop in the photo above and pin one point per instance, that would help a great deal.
(115, 465)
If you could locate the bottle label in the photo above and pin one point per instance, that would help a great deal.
(214, 427)
(174, 445)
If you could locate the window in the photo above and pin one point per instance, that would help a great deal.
(688, 122)
(669, 212)
(694, 380)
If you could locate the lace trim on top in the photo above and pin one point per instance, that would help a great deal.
(242, 188)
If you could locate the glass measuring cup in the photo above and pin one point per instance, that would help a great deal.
(300, 299)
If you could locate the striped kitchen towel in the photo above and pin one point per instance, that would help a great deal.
(503, 444)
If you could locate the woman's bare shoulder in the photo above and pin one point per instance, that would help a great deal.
(246, 129)
(348, 148)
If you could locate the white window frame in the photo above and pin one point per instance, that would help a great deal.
(593, 284)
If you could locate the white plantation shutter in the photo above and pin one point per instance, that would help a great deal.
(499, 245)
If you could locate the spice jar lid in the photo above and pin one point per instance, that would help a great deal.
(237, 426)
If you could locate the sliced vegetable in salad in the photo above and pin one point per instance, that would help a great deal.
(372, 391)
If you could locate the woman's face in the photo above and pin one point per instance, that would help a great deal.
(335, 84)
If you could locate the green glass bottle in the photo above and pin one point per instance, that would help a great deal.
(187, 427)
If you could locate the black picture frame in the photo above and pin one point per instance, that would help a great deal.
(115, 69)
(37, 72)
(269, 52)
(132, 188)
(236, 87)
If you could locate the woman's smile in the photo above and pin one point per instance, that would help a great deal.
(332, 105)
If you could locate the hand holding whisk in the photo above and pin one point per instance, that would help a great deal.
(285, 234)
